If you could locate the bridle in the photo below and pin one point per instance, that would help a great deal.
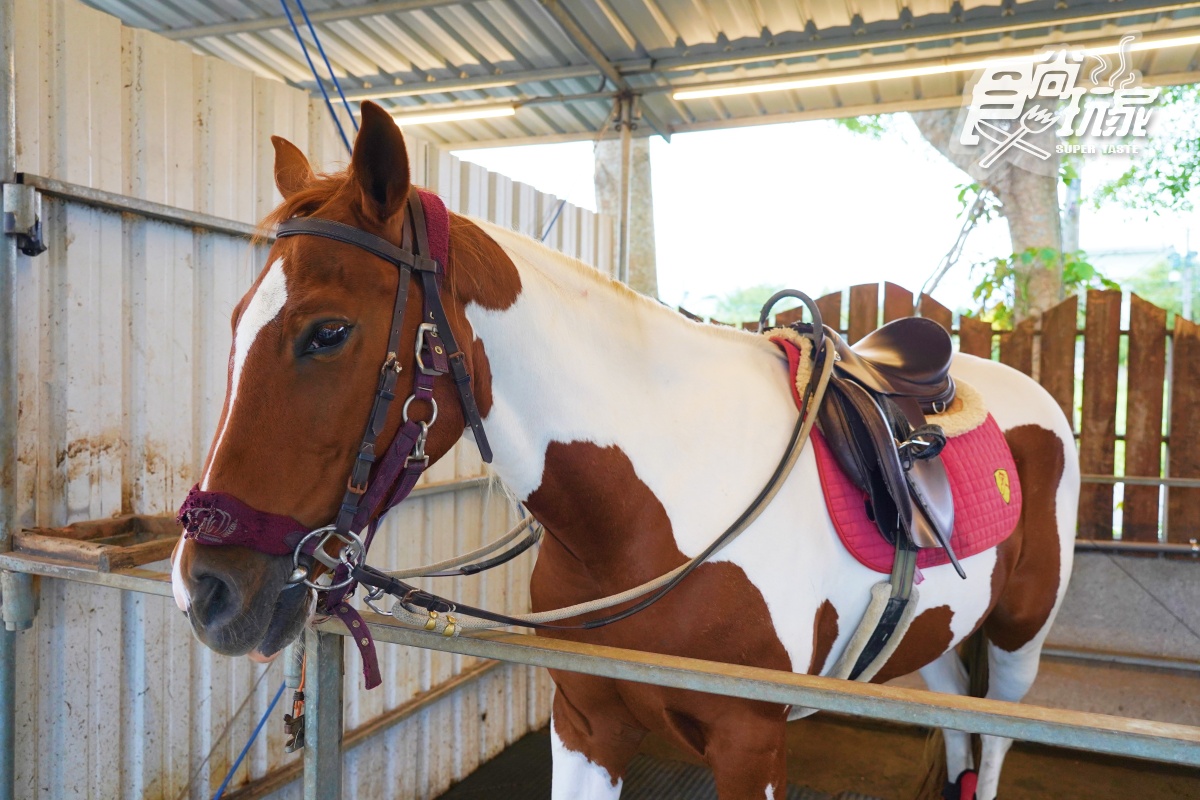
(377, 484)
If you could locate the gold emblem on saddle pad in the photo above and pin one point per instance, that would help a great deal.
(1001, 476)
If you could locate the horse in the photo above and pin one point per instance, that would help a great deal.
(633, 435)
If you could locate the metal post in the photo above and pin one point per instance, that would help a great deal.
(8, 388)
(625, 121)
(323, 716)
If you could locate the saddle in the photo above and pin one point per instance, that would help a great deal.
(873, 419)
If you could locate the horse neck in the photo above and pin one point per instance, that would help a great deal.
(597, 392)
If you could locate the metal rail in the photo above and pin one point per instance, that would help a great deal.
(124, 204)
(1158, 741)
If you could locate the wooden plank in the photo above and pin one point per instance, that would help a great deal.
(1056, 363)
(1098, 431)
(974, 337)
(788, 316)
(864, 310)
(897, 302)
(830, 306)
(1183, 505)
(1016, 347)
(1144, 417)
(932, 309)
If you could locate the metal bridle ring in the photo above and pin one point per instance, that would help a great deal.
(353, 554)
(408, 402)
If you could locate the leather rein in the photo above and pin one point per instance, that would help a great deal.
(377, 484)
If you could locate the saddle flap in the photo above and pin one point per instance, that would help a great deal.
(933, 502)
(861, 438)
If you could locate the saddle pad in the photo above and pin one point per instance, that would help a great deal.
(987, 499)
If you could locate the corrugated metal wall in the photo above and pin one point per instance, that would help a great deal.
(123, 346)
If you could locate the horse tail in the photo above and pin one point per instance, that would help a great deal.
(973, 652)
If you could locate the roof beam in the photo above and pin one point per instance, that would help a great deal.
(571, 29)
(418, 88)
(329, 15)
(888, 34)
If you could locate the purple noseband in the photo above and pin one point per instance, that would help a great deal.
(217, 518)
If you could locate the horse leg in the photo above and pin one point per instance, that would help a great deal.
(592, 738)
(1010, 674)
(748, 757)
(948, 675)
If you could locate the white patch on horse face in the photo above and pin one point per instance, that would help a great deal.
(770, 791)
(577, 778)
(263, 307)
(178, 589)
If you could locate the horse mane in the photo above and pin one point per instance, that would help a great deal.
(307, 201)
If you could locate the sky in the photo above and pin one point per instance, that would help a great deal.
(816, 207)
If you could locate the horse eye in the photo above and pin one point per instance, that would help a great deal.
(329, 335)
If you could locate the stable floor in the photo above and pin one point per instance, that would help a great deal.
(841, 758)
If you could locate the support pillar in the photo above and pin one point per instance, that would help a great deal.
(323, 716)
(623, 191)
(8, 391)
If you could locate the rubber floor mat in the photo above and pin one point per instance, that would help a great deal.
(522, 772)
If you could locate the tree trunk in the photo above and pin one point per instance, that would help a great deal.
(643, 269)
(1028, 191)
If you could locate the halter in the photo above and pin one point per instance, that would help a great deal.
(375, 484)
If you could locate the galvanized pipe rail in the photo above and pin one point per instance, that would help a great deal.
(1158, 741)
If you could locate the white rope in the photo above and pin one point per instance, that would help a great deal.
(458, 561)
(458, 624)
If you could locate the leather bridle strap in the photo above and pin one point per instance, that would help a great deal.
(439, 610)
(360, 472)
(369, 496)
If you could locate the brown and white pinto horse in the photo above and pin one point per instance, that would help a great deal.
(635, 436)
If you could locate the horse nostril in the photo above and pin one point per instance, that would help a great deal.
(210, 599)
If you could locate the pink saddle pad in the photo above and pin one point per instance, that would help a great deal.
(987, 499)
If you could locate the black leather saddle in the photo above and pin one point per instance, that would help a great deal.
(909, 357)
(873, 418)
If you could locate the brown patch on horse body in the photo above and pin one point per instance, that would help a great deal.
(606, 533)
(825, 633)
(1026, 598)
(928, 637)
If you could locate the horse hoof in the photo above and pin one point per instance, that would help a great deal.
(963, 788)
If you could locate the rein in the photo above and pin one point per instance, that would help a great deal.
(377, 484)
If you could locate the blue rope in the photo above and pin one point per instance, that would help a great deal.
(553, 220)
(316, 77)
(336, 84)
(250, 741)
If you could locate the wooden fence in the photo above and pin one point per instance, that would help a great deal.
(1088, 362)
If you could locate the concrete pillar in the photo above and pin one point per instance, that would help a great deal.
(643, 273)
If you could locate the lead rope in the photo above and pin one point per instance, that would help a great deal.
(452, 625)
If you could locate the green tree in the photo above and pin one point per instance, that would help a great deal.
(1166, 174)
(744, 303)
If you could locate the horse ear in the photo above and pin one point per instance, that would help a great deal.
(292, 172)
(380, 163)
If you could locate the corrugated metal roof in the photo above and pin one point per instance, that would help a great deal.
(563, 61)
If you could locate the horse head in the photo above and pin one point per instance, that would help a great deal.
(309, 340)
